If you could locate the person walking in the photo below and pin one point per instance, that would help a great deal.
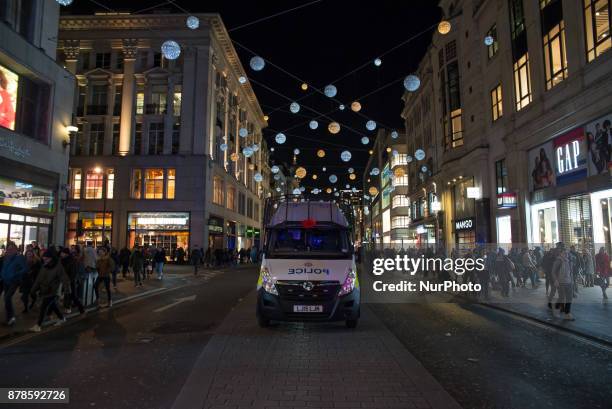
(564, 281)
(33, 267)
(254, 254)
(104, 266)
(529, 267)
(137, 261)
(503, 269)
(13, 269)
(602, 268)
(589, 267)
(196, 258)
(72, 269)
(160, 259)
(50, 280)
(89, 258)
(124, 260)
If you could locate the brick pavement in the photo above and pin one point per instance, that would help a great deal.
(307, 365)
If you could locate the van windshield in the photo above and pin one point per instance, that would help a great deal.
(294, 242)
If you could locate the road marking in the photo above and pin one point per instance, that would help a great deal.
(175, 303)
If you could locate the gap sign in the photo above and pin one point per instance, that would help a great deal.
(570, 156)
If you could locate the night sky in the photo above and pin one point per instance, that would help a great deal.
(319, 44)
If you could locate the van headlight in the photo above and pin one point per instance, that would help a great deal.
(267, 282)
(349, 282)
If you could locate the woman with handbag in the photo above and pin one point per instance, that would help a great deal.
(602, 268)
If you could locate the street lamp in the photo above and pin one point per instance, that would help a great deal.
(100, 171)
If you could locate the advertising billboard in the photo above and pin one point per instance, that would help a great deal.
(9, 86)
(599, 136)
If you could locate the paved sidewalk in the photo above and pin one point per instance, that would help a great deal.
(308, 365)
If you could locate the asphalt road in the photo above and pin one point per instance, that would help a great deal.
(489, 359)
(129, 356)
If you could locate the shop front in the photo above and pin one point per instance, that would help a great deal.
(86, 228)
(215, 232)
(169, 230)
(231, 235)
(26, 213)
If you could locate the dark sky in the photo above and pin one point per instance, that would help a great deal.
(319, 44)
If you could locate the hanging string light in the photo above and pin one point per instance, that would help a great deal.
(333, 127)
(333, 178)
(234, 157)
(257, 63)
(375, 172)
(300, 172)
(247, 152)
(394, 135)
(280, 138)
(257, 177)
(243, 132)
(304, 86)
(412, 83)
(345, 156)
(341, 107)
(242, 79)
(294, 107)
(314, 176)
(352, 176)
(171, 50)
(365, 140)
(275, 169)
(255, 147)
(356, 106)
(419, 154)
(373, 191)
(489, 40)
(296, 151)
(444, 27)
(330, 91)
(377, 62)
(351, 170)
(193, 22)
(64, 2)
(313, 124)
(328, 190)
(370, 125)
(223, 147)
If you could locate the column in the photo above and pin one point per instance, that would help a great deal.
(130, 50)
(71, 51)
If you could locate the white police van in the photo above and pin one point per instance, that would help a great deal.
(308, 268)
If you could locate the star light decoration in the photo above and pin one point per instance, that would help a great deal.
(280, 138)
(257, 63)
(193, 22)
(313, 124)
(333, 128)
(412, 82)
(321, 153)
(345, 156)
(365, 140)
(370, 125)
(294, 107)
(171, 49)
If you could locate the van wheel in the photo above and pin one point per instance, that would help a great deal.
(352, 323)
(263, 322)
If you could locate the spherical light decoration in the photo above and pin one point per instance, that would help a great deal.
(277, 177)
(300, 172)
(489, 40)
(234, 157)
(375, 172)
(394, 152)
(347, 186)
(408, 158)
(278, 189)
(242, 79)
(302, 188)
(333, 178)
(304, 86)
(247, 152)
(296, 151)
(294, 107)
(266, 117)
(313, 124)
(388, 149)
(314, 176)
(275, 169)
(365, 140)
(352, 176)
(328, 190)
(324, 169)
(243, 132)
(333, 127)
(370, 125)
(193, 22)
(257, 63)
(356, 106)
(351, 170)
(255, 147)
(64, 2)
(341, 107)
(424, 169)
(257, 177)
(444, 27)
(330, 91)
(272, 149)
(373, 191)
(296, 191)
(223, 147)
(366, 211)
(171, 50)
(399, 172)
(345, 156)
(280, 138)
(419, 154)
(336, 194)
(321, 153)
(412, 82)
(394, 135)
(377, 62)
(251, 166)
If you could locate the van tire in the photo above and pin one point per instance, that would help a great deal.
(352, 323)
(263, 322)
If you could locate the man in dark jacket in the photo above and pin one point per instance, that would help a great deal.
(137, 260)
(48, 282)
(72, 269)
(13, 268)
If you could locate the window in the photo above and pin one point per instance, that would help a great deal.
(218, 190)
(517, 18)
(159, 60)
(94, 181)
(501, 176)
(81, 100)
(400, 181)
(170, 183)
(84, 58)
(156, 138)
(154, 184)
(117, 106)
(176, 138)
(136, 184)
(241, 203)
(522, 82)
(76, 177)
(79, 146)
(399, 222)
(96, 139)
(119, 61)
(103, 60)
(496, 103)
(138, 139)
(176, 103)
(99, 100)
(140, 103)
(456, 130)
(400, 201)
(555, 56)
(231, 198)
(110, 183)
(256, 212)
(116, 134)
(597, 27)
(250, 207)
(32, 100)
(399, 160)
(159, 95)
(492, 49)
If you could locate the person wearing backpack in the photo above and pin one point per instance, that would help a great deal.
(50, 279)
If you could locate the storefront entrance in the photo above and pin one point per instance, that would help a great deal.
(23, 230)
(544, 226)
(89, 228)
(168, 230)
(601, 204)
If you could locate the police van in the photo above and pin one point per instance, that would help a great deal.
(308, 270)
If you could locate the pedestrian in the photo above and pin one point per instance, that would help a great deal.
(196, 258)
(529, 267)
(13, 269)
(547, 263)
(589, 267)
(72, 270)
(553, 255)
(160, 259)
(104, 266)
(51, 280)
(137, 261)
(124, 260)
(504, 268)
(564, 281)
(89, 258)
(254, 254)
(33, 264)
(602, 268)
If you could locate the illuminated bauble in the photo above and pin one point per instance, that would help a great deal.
(333, 127)
(171, 50)
(296, 151)
(341, 107)
(242, 79)
(399, 172)
(314, 176)
(272, 149)
(489, 40)
(373, 191)
(419, 154)
(370, 151)
(251, 166)
(370, 125)
(296, 191)
(388, 149)
(330, 91)
(304, 86)
(313, 124)
(257, 63)
(234, 157)
(365, 140)
(255, 147)
(278, 189)
(424, 169)
(247, 152)
(352, 176)
(351, 170)
(324, 169)
(394, 153)
(366, 211)
(300, 172)
(193, 22)
(280, 138)
(336, 194)
(266, 117)
(321, 153)
(223, 147)
(294, 107)
(408, 158)
(377, 62)
(302, 188)
(444, 27)
(64, 2)
(257, 177)
(345, 156)
(275, 169)
(412, 82)
(394, 135)
(243, 132)
(277, 177)
(375, 172)
(328, 190)
(333, 178)
(356, 106)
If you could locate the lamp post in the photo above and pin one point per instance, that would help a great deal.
(99, 171)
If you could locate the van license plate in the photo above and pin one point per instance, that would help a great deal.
(307, 308)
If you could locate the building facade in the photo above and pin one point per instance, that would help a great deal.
(519, 107)
(158, 156)
(35, 116)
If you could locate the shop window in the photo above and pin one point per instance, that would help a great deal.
(94, 180)
(400, 180)
(177, 100)
(464, 207)
(170, 183)
(492, 49)
(231, 198)
(136, 184)
(555, 57)
(156, 138)
(168, 230)
(597, 27)
(76, 177)
(544, 226)
(575, 222)
(218, 190)
(399, 222)
(496, 103)
(140, 103)
(400, 159)
(501, 176)
(154, 183)
(400, 201)
(89, 227)
(522, 82)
